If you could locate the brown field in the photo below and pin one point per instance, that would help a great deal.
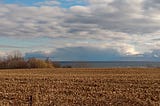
(80, 87)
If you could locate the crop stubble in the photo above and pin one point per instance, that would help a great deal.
(91, 87)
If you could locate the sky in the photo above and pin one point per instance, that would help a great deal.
(81, 30)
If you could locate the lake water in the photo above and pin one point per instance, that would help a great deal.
(115, 64)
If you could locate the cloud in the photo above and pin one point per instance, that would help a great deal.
(152, 4)
(127, 26)
(11, 46)
(2, 54)
(78, 53)
(80, 10)
(92, 54)
(48, 3)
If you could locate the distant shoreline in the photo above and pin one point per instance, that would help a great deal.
(109, 64)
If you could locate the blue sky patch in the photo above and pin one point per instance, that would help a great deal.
(63, 3)
(23, 2)
(67, 3)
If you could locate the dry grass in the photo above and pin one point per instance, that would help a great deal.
(78, 87)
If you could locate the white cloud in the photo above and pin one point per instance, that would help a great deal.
(2, 54)
(48, 3)
(80, 10)
(128, 26)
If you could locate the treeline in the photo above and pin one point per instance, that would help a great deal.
(19, 62)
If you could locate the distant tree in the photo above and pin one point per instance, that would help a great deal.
(49, 63)
(16, 55)
(56, 64)
(37, 63)
(67, 66)
(2, 64)
(17, 61)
